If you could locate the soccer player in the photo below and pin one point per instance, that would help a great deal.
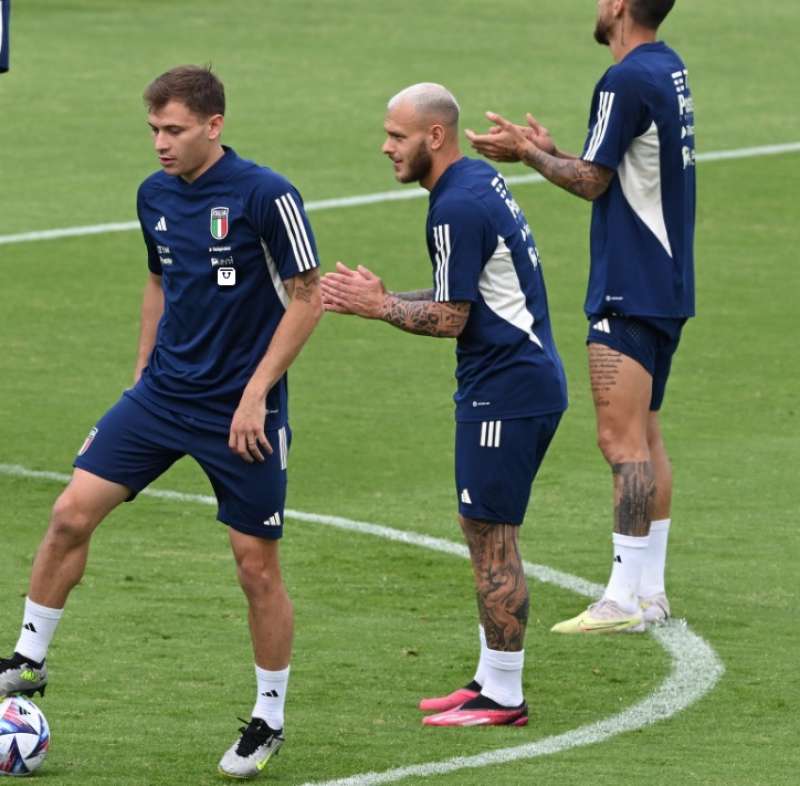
(5, 34)
(488, 292)
(231, 297)
(638, 169)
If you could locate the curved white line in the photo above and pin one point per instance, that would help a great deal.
(380, 196)
(696, 668)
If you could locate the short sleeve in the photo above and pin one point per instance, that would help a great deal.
(617, 116)
(286, 231)
(457, 241)
(153, 257)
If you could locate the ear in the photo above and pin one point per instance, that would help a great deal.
(436, 135)
(215, 124)
(619, 8)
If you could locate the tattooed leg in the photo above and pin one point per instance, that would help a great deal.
(502, 591)
(621, 390)
(634, 488)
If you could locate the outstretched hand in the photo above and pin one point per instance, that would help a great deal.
(353, 291)
(506, 141)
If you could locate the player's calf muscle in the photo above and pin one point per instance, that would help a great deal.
(634, 490)
(502, 591)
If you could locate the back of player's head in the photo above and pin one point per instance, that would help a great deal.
(198, 88)
(649, 13)
(430, 100)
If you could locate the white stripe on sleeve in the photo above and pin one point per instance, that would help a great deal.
(601, 125)
(288, 218)
(304, 235)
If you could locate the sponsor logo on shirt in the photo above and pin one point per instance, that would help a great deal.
(226, 276)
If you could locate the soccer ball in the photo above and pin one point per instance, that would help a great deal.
(24, 737)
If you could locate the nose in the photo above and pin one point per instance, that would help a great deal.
(386, 147)
(160, 142)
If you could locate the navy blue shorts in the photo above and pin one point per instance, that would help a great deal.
(496, 463)
(132, 445)
(651, 342)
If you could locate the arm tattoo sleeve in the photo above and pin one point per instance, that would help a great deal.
(582, 178)
(303, 285)
(424, 317)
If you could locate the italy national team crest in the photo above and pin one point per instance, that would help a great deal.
(219, 222)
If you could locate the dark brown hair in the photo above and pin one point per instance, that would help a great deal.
(194, 86)
(650, 13)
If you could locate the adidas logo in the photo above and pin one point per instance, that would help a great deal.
(602, 326)
(465, 498)
(618, 559)
(31, 627)
(273, 521)
(161, 224)
(270, 694)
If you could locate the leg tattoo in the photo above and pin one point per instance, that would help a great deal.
(502, 591)
(634, 489)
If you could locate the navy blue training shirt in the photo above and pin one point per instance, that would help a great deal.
(642, 126)
(483, 251)
(222, 245)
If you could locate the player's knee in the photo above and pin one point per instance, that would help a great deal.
(70, 520)
(257, 578)
(618, 447)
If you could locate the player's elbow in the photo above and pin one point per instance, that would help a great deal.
(454, 321)
(593, 191)
(315, 307)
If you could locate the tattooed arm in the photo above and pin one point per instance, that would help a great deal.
(362, 293)
(582, 178)
(425, 317)
(534, 147)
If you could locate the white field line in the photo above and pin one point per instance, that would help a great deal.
(695, 666)
(380, 196)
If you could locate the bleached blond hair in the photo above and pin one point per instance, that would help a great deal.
(429, 99)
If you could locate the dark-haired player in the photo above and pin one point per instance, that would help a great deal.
(638, 168)
(231, 297)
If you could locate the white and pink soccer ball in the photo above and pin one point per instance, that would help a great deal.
(24, 737)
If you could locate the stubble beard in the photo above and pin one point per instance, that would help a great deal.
(602, 32)
(418, 166)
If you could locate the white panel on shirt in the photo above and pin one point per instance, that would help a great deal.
(499, 285)
(277, 282)
(639, 175)
(296, 230)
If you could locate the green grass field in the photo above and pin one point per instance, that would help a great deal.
(152, 662)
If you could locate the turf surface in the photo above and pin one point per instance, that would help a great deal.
(152, 664)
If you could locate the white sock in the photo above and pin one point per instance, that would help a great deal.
(503, 673)
(271, 696)
(38, 628)
(626, 571)
(480, 674)
(652, 581)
